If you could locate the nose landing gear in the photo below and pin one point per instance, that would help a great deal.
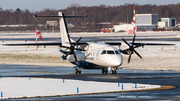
(114, 70)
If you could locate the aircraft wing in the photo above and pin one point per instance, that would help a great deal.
(113, 43)
(80, 43)
(34, 44)
(137, 44)
(143, 44)
(42, 44)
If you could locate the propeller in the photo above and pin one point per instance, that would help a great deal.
(132, 48)
(72, 48)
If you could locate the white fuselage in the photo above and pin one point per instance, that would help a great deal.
(102, 55)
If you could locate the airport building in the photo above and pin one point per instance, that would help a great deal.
(146, 19)
(166, 22)
(146, 22)
(143, 22)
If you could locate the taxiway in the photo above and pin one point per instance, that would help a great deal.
(126, 76)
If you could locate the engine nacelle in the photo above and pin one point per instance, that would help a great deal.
(126, 52)
(63, 57)
(62, 51)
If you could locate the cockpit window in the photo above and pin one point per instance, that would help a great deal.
(103, 52)
(110, 52)
(117, 52)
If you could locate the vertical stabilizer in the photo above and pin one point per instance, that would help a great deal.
(63, 29)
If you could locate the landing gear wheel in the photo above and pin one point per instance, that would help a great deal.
(113, 72)
(102, 70)
(77, 71)
(106, 71)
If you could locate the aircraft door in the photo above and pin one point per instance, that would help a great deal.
(97, 55)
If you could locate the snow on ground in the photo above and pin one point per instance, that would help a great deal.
(17, 87)
(85, 34)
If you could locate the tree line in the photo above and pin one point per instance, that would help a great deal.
(101, 13)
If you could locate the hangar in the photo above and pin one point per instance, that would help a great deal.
(146, 22)
(166, 22)
(143, 22)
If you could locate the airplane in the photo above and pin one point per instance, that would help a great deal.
(90, 55)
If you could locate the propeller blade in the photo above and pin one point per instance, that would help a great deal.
(129, 56)
(69, 38)
(126, 42)
(75, 56)
(66, 55)
(133, 39)
(132, 47)
(78, 40)
(137, 53)
(65, 47)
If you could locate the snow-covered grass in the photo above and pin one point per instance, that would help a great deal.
(16, 87)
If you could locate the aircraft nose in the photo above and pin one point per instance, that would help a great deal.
(116, 61)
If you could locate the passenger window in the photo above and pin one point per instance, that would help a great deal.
(117, 52)
(103, 52)
(110, 52)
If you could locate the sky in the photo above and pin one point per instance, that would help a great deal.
(37, 5)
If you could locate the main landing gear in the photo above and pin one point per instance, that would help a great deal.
(78, 70)
(104, 70)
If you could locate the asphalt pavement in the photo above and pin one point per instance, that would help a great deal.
(123, 76)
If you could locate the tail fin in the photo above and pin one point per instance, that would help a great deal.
(63, 29)
(65, 38)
